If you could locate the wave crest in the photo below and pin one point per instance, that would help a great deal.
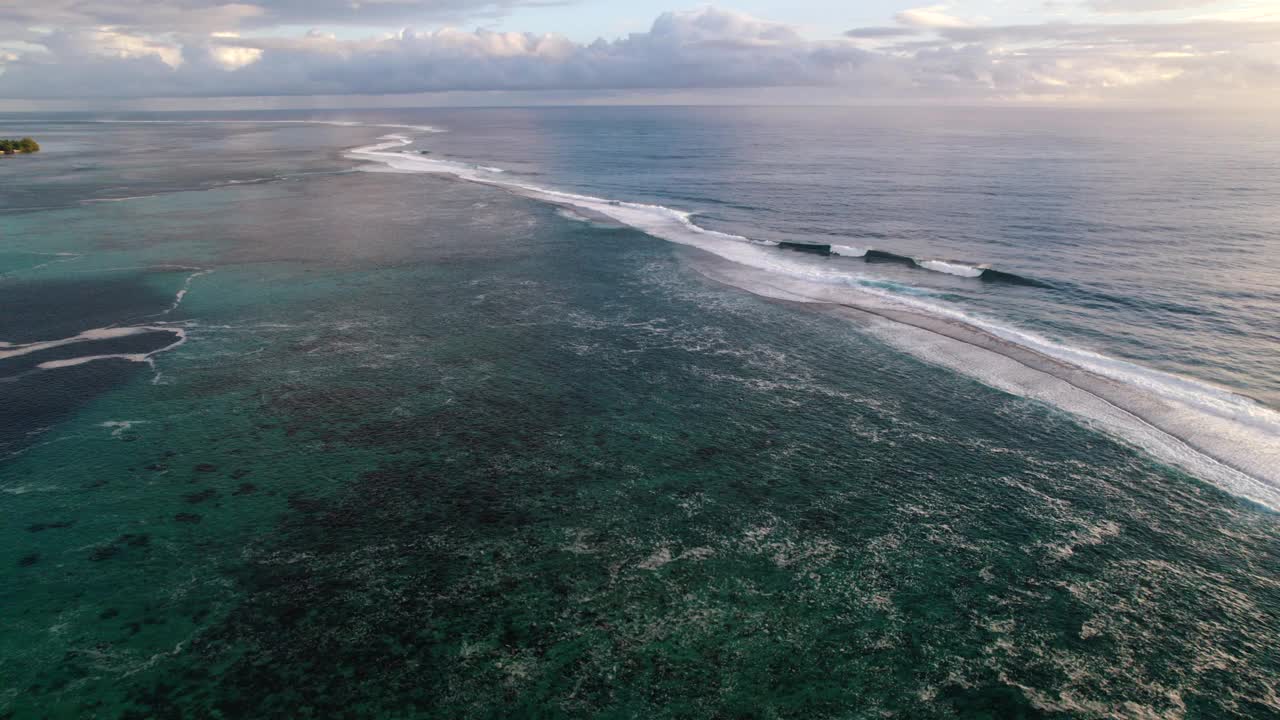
(952, 267)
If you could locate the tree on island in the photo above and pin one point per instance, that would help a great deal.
(12, 147)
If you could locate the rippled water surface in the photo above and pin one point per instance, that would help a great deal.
(281, 437)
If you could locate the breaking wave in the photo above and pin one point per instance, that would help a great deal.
(848, 251)
(958, 268)
(952, 267)
(1229, 440)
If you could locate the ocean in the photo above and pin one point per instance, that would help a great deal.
(640, 412)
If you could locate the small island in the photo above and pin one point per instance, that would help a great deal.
(25, 146)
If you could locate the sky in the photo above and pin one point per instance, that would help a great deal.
(291, 53)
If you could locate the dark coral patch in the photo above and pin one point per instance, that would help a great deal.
(137, 541)
(41, 527)
(106, 552)
(202, 496)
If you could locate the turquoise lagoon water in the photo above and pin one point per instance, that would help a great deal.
(376, 444)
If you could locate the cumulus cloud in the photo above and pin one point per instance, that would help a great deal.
(104, 45)
(705, 48)
(930, 55)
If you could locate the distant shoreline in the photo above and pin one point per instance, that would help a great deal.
(25, 146)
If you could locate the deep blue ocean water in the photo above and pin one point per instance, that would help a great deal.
(679, 412)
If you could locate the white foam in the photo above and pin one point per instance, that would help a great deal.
(1224, 437)
(72, 362)
(119, 427)
(657, 220)
(568, 214)
(1227, 439)
(186, 288)
(1011, 375)
(848, 251)
(86, 336)
(1209, 399)
(98, 334)
(952, 268)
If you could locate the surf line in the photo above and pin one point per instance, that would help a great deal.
(661, 222)
(656, 220)
(186, 288)
(1218, 439)
(1121, 411)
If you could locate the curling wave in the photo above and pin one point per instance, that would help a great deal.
(1229, 440)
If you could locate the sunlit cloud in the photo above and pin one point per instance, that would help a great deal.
(198, 48)
(934, 16)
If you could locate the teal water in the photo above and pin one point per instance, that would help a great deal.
(431, 449)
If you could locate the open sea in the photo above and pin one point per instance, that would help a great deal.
(640, 413)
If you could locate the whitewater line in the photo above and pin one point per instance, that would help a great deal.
(1107, 404)
(1239, 480)
(1236, 439)
(496, 177)
(186, 288)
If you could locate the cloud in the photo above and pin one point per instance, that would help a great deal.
(704, 48)
(1142, 6)
(934, 16)
(1099, 38)
(105, 45)
(234, 58)
(878, 33)
(215, 15)
(1179, 62)
(931, 57)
